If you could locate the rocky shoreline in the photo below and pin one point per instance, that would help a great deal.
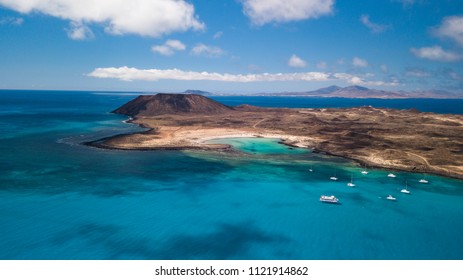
(405, 140)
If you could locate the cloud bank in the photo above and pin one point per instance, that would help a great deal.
(119, 17)
(266, 11)
(125, 73)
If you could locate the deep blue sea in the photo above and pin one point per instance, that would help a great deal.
(60, 199)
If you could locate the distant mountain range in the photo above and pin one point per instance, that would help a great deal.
(352, 92)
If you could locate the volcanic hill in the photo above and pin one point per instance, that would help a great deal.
(163, 103)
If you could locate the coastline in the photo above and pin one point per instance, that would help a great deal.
(194, 138)
(407, 140)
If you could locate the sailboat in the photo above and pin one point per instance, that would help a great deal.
(423, 181)
(405, 191)
(334, 178)
(310, 169)
(364, 171)
(351, 183)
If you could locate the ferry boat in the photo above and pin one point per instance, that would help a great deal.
(391, 175)
(329, 199)
(390, 197)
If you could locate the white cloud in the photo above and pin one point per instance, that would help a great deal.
(356, 80)
(359, 62)
(374, 27)
(141, 17)
(176, 45)
(296, 62)
(169, 47)
(211, 51)
(217, 35)
(436, 53)
(11, 20)
(451, 28)
(131, 74)
(79, 31)
(265, 11)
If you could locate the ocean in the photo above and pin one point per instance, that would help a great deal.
(60, 199)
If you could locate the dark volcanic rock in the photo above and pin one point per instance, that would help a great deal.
(163, 103)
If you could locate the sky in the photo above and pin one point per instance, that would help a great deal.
(231, 46)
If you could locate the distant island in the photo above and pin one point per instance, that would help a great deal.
(351, 92)
(387, 138)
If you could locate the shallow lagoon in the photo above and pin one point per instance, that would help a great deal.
(259, 145)
(63, 200)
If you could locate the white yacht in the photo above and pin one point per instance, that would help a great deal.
(364, 172)
(405, 191)
(329, 199)
(424, 181)
(391, 175)
(334, 178)
(390, 197)
(351, 183)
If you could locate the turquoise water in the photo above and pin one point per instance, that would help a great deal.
(259, 145)
(62, 200)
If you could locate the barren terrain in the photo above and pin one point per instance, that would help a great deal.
(386, 138)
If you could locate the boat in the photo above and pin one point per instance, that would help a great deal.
(310, 169)
(405, 191)
(329, 199)
(364, 171)
(334, 178)
(351, 183)
(390, 197)
(391, 175)
(424, 181)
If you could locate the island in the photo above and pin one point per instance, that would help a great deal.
(406, 140)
